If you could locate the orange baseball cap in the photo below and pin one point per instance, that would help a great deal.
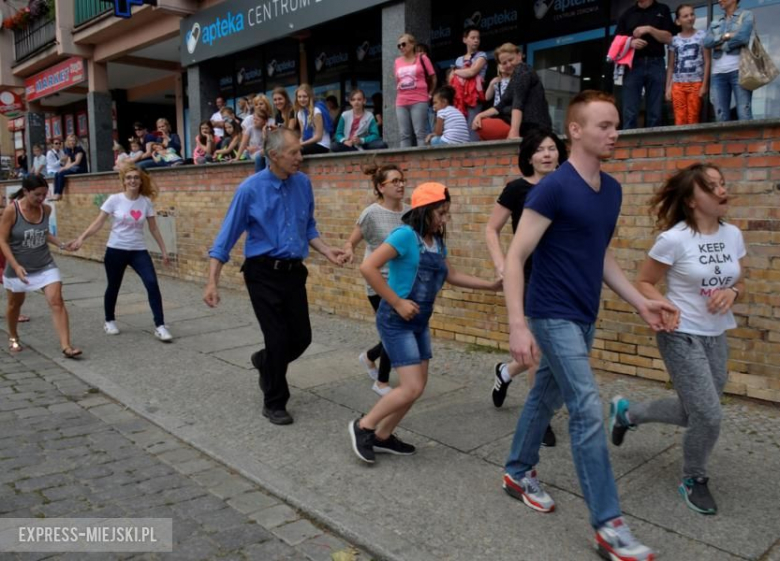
(428, 193)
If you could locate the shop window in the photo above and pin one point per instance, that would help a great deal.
(566, 66)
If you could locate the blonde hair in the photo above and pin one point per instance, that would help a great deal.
(506, 48)
(261, 100)
(306, 88)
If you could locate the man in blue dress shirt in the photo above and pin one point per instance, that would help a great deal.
(276, 209)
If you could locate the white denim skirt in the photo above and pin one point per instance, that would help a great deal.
(35, 281)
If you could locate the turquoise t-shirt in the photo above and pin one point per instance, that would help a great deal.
(403, 269)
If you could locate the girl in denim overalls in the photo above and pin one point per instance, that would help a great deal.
(417, 259)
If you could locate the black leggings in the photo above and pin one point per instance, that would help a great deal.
(378, 351)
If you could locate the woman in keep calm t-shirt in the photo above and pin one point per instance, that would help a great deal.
(699, 256)
(129, 211)
(415, 82)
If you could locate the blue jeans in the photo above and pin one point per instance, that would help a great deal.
(723, 85)
(412, 124)
(564, 375)
(116, 261)
(648, 73)
(59, 178)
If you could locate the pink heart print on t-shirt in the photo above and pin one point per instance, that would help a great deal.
(136, 214)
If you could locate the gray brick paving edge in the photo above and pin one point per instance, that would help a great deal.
(379, 542)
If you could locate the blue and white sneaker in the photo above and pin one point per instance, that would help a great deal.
(618, 419)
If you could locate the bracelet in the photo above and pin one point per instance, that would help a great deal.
(62, 245)
(736, 291)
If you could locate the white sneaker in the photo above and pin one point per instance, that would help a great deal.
(372, 372)
(163, 334)
(381, 391)
(110, 328)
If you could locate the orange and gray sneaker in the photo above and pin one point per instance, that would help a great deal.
(528, 489)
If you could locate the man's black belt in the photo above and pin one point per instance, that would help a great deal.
(278, 264)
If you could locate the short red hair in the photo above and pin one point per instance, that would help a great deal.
(580, 101)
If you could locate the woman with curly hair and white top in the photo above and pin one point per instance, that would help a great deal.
(699, 257)
(130, 210)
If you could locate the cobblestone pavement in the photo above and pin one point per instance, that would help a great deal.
(66, 450)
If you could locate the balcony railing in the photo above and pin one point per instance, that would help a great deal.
(87, 10)
(39, 34)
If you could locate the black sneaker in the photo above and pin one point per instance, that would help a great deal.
(362, 441)
(278, 416)
(393, 445)
(549, 437)
(697, 496)
(499, 387)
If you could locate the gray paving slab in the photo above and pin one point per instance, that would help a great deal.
(211, 324)
(241, 356)
(445, 502)
(96, 301)
(173, 313)
(249, 335)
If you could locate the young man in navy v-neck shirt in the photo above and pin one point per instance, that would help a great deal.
(568, 222)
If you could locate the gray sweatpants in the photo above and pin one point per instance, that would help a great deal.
(698, 367)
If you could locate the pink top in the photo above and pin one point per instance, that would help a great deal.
(410, 80)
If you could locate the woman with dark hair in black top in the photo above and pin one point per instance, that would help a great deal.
(541, 152)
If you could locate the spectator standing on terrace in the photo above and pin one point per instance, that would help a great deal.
(688, 75)
(726, 37)
(649, 24)
(415, 82)
(468, 79)
(169, 140)
(217, 119)
(523, 106)
(55, 157)
(76, 163)
(567, 223)
(274, 272)
(357, 128)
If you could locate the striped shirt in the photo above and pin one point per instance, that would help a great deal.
(456, 130)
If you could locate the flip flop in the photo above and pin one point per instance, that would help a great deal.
(71, 352)
(23, 318)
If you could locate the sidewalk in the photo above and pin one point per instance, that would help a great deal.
(446, 502)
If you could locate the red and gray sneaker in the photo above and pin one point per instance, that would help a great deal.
(615, 542)
(528, 490)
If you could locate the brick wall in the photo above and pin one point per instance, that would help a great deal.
(749, 155)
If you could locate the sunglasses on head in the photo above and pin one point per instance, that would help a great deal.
(401, 45)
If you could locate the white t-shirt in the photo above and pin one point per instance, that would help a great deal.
(699, 265)
(53, 164)
(325, 140)
(39, 162)
(220, 132)
(725, 63)
(456, 129)
(127, 221)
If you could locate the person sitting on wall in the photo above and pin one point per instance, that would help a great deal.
(39, 160)
(507, 57)
(55, 158)
(357, 129)
(244, 108)
(252, 139)
(21, 163)
(313, 121)
(451, 126)
(205, 144)
(145, 138)
(283, 113)
(522, 107)
(121, 157)
(77, 163)
(169, 140)
(332, 103)
(227, 149)
(165, 157)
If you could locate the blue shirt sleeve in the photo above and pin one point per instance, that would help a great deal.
(235, 223)
(175, 143)
(311, 227)
(403, 241)
(544, 198)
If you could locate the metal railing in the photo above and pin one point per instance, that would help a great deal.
(39, 34)
(87, 10)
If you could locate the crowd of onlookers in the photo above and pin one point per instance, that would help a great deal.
(459, 105)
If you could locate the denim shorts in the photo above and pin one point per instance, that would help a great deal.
(405, 342)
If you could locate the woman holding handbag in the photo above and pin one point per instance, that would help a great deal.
(415, 82)
(726, 37)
